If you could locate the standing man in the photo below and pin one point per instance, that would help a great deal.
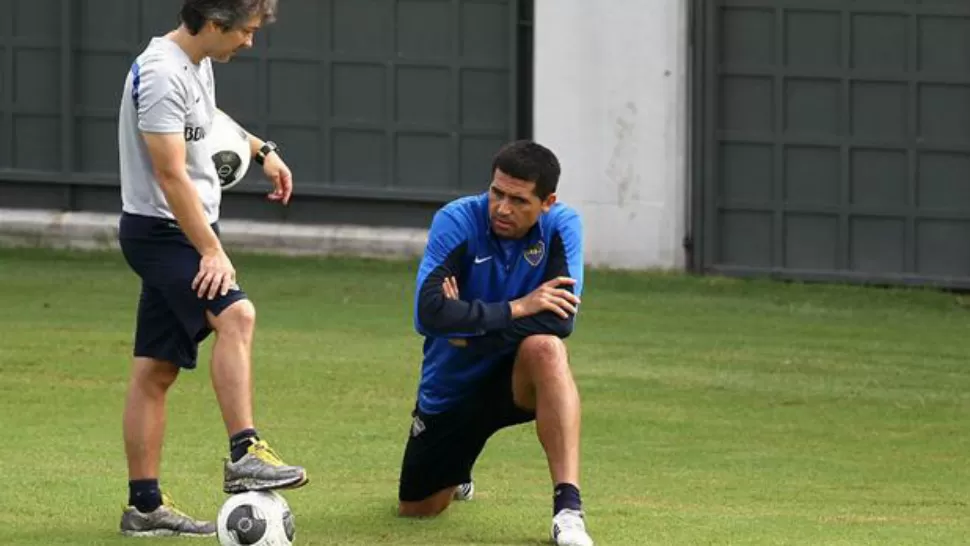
(169, 236)
(497, 292)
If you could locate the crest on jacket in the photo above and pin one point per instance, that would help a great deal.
(535, 253)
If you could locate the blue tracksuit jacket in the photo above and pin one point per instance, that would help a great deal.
(491, 272)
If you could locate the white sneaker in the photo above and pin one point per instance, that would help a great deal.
(465, 491)
(569, 529)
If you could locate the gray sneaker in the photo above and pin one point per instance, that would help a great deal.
(465, 491)
(261, 469)
(164, 521)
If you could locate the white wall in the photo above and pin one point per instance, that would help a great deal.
(611, 100)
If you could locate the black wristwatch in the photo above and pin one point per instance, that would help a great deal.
(267, 148)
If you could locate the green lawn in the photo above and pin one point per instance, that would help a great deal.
(715, 411)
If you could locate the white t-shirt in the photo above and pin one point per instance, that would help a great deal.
(166, 93)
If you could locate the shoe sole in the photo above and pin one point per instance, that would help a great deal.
(243, 485)
(151, 533)
(556, 542)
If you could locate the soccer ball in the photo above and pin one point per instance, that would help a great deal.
(230, 150)
(255, 518)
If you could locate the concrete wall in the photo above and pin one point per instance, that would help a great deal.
(611, 99)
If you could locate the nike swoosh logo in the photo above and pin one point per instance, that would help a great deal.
(482, 260)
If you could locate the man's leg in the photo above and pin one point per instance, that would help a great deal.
(252, 464)
(231, 366)
(438, 457)
(159, 343)
(144, 428)
(543, 382)
(428, 507)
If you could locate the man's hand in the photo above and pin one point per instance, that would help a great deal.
(280, 176)
(216, 275)
(548, 297)
(450, 288)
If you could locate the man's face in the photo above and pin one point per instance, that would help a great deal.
(224, 44)
(513, 206)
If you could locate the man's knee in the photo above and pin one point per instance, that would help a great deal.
(152, 376)
(238, 319)
(541, 360)
(427, 508)
(543, 354)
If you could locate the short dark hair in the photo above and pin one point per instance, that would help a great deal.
(226, 14)
(531, 161)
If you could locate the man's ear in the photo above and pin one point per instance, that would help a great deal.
(549, 202)
(213, 28)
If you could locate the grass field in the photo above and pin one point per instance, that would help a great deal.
(715, 411)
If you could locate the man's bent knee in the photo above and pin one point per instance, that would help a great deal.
(540, 358)
(427, 508)
(239, 318)
(542, 348)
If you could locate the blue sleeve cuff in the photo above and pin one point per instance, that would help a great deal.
(498, 316)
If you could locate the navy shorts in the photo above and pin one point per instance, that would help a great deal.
(442, 448)
(171, 318)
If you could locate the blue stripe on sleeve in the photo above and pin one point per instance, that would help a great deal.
(135, 82)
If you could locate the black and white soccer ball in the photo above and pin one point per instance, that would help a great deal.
(255, 518)
(229, 144)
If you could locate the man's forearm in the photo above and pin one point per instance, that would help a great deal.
(255, 143)
(441, 316)
(545, 323)
(183, 200)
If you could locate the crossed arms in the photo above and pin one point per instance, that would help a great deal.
(549, 309)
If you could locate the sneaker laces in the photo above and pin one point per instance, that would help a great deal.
(182, 520)
(170, 504)
(261, 450)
